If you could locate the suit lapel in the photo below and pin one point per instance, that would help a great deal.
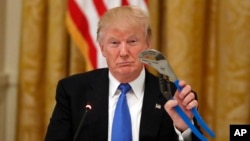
(99, 113)
(152, 109)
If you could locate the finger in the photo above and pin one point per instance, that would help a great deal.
(185, 91)
(170, 104)
(188, 99)
(182, 83)
(169, 108)
(192, 104)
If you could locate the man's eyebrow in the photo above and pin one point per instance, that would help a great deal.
(111, 38)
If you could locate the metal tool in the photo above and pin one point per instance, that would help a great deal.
(157, 60)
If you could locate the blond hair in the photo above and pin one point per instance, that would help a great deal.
(131, 15)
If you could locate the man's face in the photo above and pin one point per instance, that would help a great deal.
(121, 48)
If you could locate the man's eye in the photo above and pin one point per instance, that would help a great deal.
(114, 42)
(132, 41)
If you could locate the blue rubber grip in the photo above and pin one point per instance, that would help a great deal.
(189, 123)
(176, 82)
(202, 123)
(196, 115)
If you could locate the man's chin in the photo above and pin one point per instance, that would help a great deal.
(126, 74)
(126, 69)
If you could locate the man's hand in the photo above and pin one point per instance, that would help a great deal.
(186, 100)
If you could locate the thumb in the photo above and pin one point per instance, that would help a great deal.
(169, 107)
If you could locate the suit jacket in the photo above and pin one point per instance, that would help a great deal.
(74, 92)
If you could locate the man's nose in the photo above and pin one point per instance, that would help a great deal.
(124, 49)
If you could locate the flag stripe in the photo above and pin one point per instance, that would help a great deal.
(100, 7)
(125, 2)
(79, 40)
(112, 3)
(81, 22)
(88, 8)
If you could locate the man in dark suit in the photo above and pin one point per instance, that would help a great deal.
(123, 32)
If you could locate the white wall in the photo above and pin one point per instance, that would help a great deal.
(10, 17)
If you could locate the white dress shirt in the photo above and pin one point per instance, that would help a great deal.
(134, 99)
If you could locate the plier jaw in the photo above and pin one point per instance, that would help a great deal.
(156, 60)
(165, 86)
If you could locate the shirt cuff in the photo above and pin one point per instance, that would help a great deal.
(184, 136)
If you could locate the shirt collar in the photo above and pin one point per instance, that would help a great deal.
(137, 85)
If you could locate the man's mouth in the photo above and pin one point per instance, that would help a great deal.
(124, 64)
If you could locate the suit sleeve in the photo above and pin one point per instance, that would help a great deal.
(60, 126)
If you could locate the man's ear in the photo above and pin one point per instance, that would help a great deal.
(102, 50)
(149, 43)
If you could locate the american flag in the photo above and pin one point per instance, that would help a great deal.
(82, 19)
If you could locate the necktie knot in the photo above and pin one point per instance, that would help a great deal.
(124, 87)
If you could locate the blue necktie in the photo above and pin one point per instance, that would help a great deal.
(121, 129)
